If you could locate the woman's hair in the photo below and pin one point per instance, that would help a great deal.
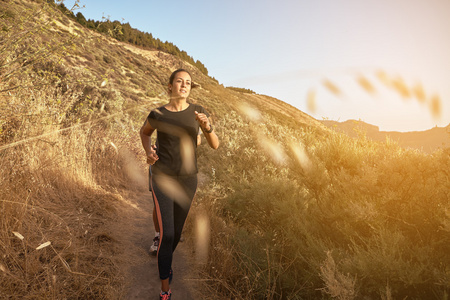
(172, 77)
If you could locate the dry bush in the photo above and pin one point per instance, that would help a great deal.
(337, 285)
(364, 201)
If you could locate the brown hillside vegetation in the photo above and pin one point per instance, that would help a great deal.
(286, 208)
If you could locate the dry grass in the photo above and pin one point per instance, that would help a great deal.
(61, 172)
(337, 285)
(61, 191)
(275, 222)
(49, 195)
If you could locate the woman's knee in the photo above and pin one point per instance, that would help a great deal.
(168, 238)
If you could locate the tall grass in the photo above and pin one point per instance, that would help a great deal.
(62, 173)
(59, 185)
(359, 220)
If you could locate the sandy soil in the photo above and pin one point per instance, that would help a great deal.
(136, 231)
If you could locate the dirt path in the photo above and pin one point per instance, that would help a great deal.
(135, 230)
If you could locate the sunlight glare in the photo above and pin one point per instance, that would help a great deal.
(173, 189)
(252, 113)
(311, 101)
(273, 149)
(400, 86)
(301, 155)
(331, 87)
(187, 154)
(132, 167)
(366, 84)
(436, 106)
(202, 238)
(419, 93)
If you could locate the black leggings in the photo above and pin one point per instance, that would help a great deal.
(172, 197)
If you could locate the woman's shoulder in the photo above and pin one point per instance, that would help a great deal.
(156, 112)
(198, 108)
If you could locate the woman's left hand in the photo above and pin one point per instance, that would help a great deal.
(202, 119)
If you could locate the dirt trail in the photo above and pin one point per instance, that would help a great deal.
(135, 230)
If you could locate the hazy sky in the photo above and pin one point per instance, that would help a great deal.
(288, 49)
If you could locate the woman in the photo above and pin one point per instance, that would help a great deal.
(155, 244)
(174, 165)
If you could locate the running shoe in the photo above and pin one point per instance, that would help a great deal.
(165, 295)
(154, 246)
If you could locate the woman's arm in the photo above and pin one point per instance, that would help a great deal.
(211, 137)
(146, 134)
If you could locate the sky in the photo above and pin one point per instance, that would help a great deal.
(311, 54)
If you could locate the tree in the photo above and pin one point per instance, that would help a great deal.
(81, 19)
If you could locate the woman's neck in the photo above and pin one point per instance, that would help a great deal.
(177, 104)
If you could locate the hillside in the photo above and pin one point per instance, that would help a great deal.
(286, 208)
(427, 141)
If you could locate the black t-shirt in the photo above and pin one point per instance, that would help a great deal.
(176, 140)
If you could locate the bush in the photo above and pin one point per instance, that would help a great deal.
(364, 220)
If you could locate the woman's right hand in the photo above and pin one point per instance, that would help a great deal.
(152, 157)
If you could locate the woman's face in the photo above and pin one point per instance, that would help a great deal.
(181, 86)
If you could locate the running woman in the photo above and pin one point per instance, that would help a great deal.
(174, 165)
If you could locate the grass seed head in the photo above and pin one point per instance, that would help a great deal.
(18, 235)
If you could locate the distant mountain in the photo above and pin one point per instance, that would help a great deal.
(427, 141)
